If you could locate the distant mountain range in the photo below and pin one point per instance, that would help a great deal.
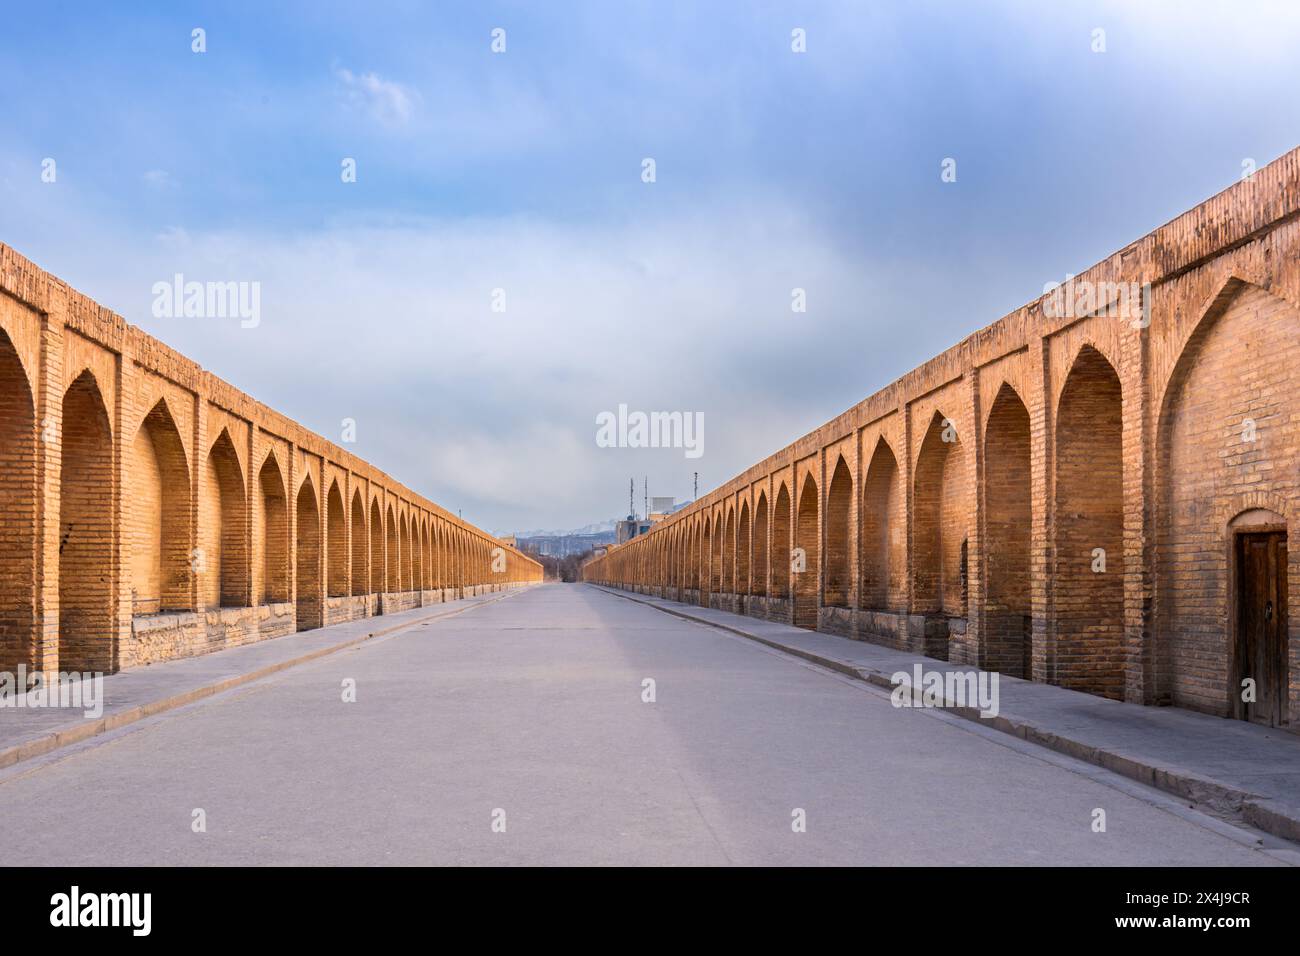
(597, 528)
(600, 527)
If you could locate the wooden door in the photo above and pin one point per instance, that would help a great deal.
(1261, 640)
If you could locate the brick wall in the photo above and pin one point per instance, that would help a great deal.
(145, 504)
(1079, 528)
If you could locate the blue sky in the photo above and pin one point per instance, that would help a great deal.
(521, 171)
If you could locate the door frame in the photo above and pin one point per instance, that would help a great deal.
(1236, 707)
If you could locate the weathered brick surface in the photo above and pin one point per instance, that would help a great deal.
(148, 510)
(1077, 525)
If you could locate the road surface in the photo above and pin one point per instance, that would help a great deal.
(517, 733)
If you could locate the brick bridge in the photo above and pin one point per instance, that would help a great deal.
(149, 510)
(1094, 491)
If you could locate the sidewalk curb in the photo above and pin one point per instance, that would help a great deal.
(58, 739)
(1255, 810)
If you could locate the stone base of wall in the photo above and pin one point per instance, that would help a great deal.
(928, 634)
(393, 601)
(167, 636)
(339, 610)
(780, 610)
(960, 648)
(837, 620)
(887, 628)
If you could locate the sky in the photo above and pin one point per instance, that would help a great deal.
(500, 273)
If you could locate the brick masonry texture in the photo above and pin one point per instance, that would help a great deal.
(149, 510)
(1055, 497)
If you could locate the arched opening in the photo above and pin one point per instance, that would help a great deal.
(393, 579)
(336, 524)
(223, 567)
(729, 554)
(457, 561)
(1088, 573)
(159, 516)
(377, 575)
(715, 556)
(884, 527)
(360, 547)
(309, 603)
(86, 628)
(941, 521)
(274, 512)
(407, 579)
(781, 545)
(743, 545)
(706, 559)
(426, 556)
(1007, 631)
(1226, 444)
(670, 559)
(439, 556)
(759, 586)
(804, 567)
(18, 505)
(697, 550)
(839, 536)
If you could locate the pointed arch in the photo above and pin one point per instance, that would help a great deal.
(781, 544)
(715, 554)
(378, 574)
(393, 557)
(86, 616)
(18, 504)
(743, 546)
(697, 559)
(729, 552)
(360, 547)
(1088, 572)
(426, 552)
(941, 521)
(336, 546)
(1226, 483)
(839, 537)
(1007, 633)
(159, 517)
(224, 571)
(806, 570)
(760, 573)
(884, 526)
(309, 604)
(406, 581)
(439, 555)
(273, 521)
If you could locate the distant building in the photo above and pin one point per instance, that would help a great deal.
(629, 528)
(564, 545)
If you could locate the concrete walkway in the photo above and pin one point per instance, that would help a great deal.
(1240, 770)
(132, 695)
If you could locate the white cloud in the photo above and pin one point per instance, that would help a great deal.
(496, 413)
(386, 100)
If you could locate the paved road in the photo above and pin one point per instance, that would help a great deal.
(533, 705)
